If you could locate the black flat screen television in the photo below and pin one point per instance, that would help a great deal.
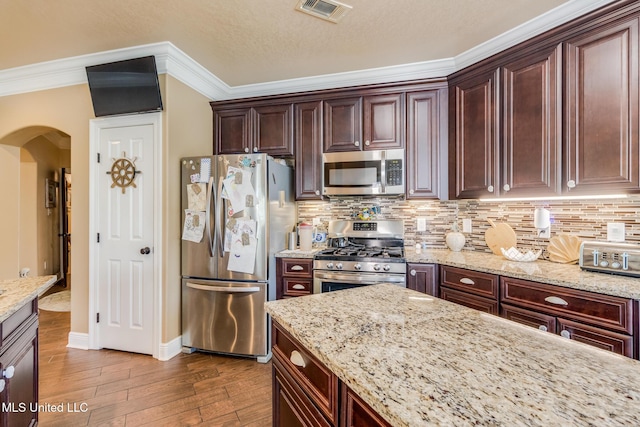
(125, 87)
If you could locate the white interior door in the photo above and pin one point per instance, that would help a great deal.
(126, 238)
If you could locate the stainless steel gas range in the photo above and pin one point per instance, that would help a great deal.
(361, 253)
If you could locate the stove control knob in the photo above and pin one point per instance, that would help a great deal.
(339, 266)
(376, 267)
(386, 267)
(358, 266)
(330, 265)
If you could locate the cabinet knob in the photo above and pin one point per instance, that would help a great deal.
(246, 149)
(490, 189)
(297, 359)
(8, 373)
(412, 272)
(543, 328)
(357, 143)
(571, 183)
(255, 149)
(367, 142)
(2, 384)
(411, 191)
(317, 192)
(565, 334)
(506, 187)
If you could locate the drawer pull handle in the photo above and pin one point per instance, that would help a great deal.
(556, 301)
(467, 281)
(297, 268)
(565, 334)
(297, 359)
(298, 286)
(543, 328)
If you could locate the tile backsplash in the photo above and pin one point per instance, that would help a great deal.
(586, 219)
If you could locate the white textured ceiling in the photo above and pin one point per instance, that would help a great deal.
(256, 41)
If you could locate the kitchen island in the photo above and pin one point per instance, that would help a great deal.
(417, 360)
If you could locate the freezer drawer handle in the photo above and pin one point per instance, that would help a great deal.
(226, 289)
(297, 359)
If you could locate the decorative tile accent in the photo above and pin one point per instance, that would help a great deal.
(585, 218)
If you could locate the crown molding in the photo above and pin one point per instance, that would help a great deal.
(176, 63)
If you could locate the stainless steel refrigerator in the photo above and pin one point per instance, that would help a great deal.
(236, 212)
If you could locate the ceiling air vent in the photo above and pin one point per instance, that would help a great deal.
(329, 10)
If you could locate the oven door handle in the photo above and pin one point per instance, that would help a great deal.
(360, 278)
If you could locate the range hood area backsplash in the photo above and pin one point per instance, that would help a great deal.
(584, 218)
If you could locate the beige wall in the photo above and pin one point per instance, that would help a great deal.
(9, 214)
(28, 238)
(187, 131)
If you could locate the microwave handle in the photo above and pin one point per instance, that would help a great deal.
(383, 170)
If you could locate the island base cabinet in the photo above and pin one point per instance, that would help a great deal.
(472, 301)
(291, 407)
(356, 413)
(596, 337)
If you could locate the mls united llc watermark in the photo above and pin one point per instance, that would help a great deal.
(43, 407)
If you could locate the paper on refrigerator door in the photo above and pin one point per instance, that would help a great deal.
(205, 169)
(193, 229)
(243, 246)
(238, 191)
(197, 197)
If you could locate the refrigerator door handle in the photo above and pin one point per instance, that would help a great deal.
(225, 289)
(210, 193)
(219, 227)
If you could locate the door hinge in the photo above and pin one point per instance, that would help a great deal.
(98, 237)
(97, 317)
(98, 157)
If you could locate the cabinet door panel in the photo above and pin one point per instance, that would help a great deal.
(274, 129)
(232, 131)
(383, 118)
(474, 136)
(423, 278)
(426, 128)
(532, 100)
(357, 413)
(601, 338)
(602, 110)
(343, 124)
(308, 131)
(468, 300)
(530, 318)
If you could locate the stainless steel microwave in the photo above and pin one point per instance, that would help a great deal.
(366, 173)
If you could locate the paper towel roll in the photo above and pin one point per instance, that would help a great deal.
(541, 218)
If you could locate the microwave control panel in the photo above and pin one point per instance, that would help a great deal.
(394, 171)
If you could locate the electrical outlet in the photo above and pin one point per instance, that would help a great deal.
(545, 233)
(316, 221)
(615, 231)
(421, 224)
(466, 225)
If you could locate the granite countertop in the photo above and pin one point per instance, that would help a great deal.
(569, 276)
(419, 360)
(297, 253)
(17, 292)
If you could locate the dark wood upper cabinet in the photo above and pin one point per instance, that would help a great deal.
(601, 102)
(426, 143)
(259, 129)
(343, 124)
(383, 121)
(474, 136)
(532, 125)
(308, 149)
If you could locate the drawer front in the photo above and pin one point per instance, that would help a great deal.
(298, 267)
(596, 309)
(474, 282)
(534, 319)
(320, 384)
(601, 338)
(472, 301)
(15, 323)
(297, 287)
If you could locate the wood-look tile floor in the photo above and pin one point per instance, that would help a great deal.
(113, 388)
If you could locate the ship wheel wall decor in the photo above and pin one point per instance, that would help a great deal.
(123, 172)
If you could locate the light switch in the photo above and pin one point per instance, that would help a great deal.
(421, 224)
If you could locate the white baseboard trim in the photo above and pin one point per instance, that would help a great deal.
(78, 340)
(171, 349)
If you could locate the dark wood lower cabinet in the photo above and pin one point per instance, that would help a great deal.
(472, 301)
(597, 337)
(356, 412)
(423, 278)
(534, 319)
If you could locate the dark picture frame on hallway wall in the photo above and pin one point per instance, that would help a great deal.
(51, 195)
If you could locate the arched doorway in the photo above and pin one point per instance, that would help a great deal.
(35, 163)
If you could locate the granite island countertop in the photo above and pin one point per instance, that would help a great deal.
(421, 361)
(566, 275)
(17, 292)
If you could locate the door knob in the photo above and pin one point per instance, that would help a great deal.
(145, 251)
